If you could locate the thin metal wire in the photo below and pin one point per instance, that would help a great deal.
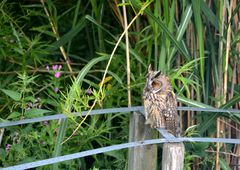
(111, 110)
(165, 134)
(168, 136)
(60, 116)
(112, 148)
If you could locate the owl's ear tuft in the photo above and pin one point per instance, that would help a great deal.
(149, 68)
(157, 74)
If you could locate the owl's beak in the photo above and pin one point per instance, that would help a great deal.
(148, 87)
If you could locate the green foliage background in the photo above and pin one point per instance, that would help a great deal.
(195, 42)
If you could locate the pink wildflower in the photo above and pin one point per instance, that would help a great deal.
(56, 89)
(60, 67)
(57, 74)
(7, 147)
(55, 67)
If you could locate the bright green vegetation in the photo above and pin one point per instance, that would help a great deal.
(55, 54)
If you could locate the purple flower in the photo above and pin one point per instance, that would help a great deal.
(7, 147)
(89, 91)
(45, 123)
(57, 74)
(59, 67)
(56, 89)
(55, 67)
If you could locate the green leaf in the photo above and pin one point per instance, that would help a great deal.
(12, 94)
(114, 75)
(210, 15)
(231, 102)
(186, 18)
(211, 119)
(200, 148)
(116, 154)
(224, 165)
(36, 112)
(122, 45)
(68, 36)
(164, 28)
(204, 126)
(3, 154)
(194, 103)
(87, 67)
(200, 37)
(14, 115)
(68, 104)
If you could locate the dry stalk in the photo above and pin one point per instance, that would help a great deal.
(225, 153)
(127, 55)
(220, 126)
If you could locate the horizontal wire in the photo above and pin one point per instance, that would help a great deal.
(61, 116)
(166, 135)
(112, 148)
(107, 111)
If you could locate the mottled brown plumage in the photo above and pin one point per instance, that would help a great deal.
(160, 103)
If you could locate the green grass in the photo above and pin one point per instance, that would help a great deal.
(188, 40)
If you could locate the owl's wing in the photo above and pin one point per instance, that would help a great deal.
(171, 115)
(146, 108)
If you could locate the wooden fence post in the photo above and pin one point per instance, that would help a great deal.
(173, 156)
(145, 157)
(142, 157)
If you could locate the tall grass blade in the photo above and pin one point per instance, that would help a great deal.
(190, 102)
(68, 36)
(133, 52)
(186, 18)
(210, 15)
(74, 21)
(200, 38)
(164, 28)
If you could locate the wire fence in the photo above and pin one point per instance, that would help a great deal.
(112, 148)
(111, 110)
(167, 136)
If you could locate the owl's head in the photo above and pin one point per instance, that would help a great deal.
(156, 81)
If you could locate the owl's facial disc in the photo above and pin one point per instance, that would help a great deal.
(157, 86)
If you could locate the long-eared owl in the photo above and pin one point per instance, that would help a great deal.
(160, 103)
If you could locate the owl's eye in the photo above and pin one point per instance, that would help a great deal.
(156, 85)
